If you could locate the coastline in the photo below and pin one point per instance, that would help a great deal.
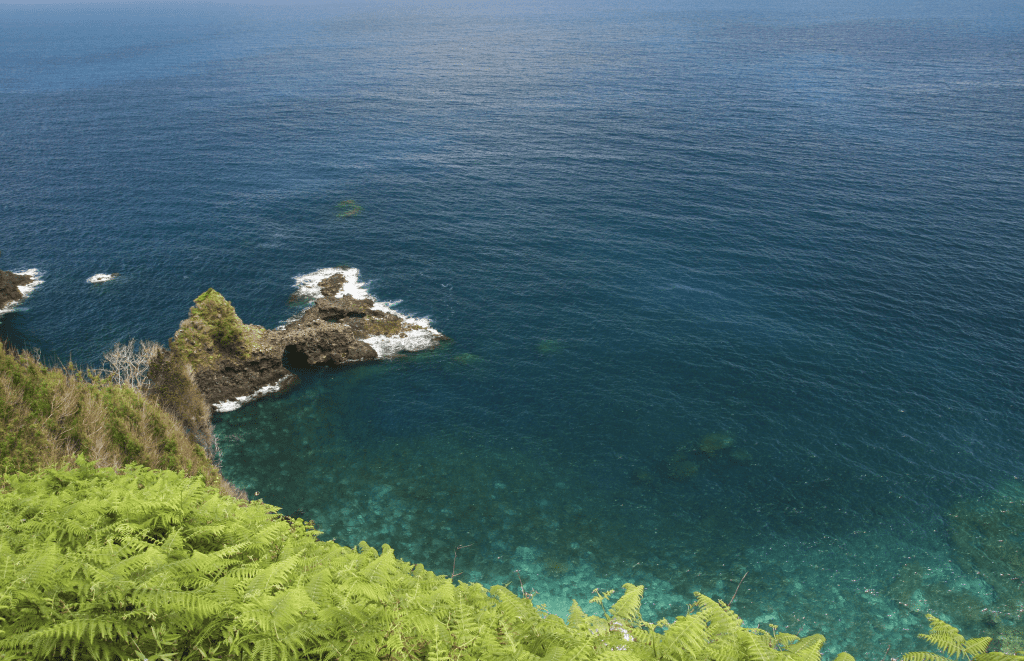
(14, 289)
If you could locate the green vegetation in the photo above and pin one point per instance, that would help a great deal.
(172, 385)
(142, 563)
(49, 416)
(212, 327)
(948, 640)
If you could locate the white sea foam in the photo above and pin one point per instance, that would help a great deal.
(309, 284)
(419, 336)
(24, 289)
(236, 403)
(101, 277)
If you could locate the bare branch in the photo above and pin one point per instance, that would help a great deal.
(128, 365)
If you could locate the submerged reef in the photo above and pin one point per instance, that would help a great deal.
(987, 536)
(233, 361)
(687, 459)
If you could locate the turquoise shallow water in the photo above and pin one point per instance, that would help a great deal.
(789, 232)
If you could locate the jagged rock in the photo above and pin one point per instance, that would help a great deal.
(334, 309)
(9, 283)
(326, 343)
(232, 359)
(330, 286)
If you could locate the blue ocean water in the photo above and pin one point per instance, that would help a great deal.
(788, 235)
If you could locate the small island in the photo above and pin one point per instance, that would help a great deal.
(234, 362)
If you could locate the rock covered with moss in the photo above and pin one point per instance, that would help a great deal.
(229, 358)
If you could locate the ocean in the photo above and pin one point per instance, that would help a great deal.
(734, 289)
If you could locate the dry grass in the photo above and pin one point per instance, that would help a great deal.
(48, 416)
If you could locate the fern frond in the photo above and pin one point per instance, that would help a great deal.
(686, 639)
(844, 656)
(806, 649)
(577, 618)
(944, 636)
(976, 646)
(39, 573)
(997, 656)
(749, 644)
(627, 608)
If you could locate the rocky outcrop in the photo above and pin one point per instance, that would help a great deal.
(9, 284)
(233, 360)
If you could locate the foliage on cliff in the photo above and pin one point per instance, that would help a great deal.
(172, 385)
(50, 415)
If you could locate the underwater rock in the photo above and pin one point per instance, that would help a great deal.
(549, 346)
(101, 277)
(987, 536)
(680, 467)
(713, 443)
(467, 359)
(232, 361)
(741, 456)
(685, 461)
(10, 284)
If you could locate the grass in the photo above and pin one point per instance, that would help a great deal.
(50, 415)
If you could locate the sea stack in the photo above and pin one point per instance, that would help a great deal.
(233, 361)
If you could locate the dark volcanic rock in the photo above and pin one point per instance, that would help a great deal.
(330, 286)
(240, 376)
(9, 283)
(326, 343)
(334, 309)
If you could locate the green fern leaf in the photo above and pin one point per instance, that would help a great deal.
(577, 618)
(976, 646)
(944, 636)
(627, 608)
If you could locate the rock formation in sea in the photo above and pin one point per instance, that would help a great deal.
(9, 287)
(232, 361)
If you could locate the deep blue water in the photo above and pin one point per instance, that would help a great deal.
(641, 223)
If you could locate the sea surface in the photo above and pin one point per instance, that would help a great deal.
(735, 289)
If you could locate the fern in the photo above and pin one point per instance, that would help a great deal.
(627, 608)
(948, 640)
